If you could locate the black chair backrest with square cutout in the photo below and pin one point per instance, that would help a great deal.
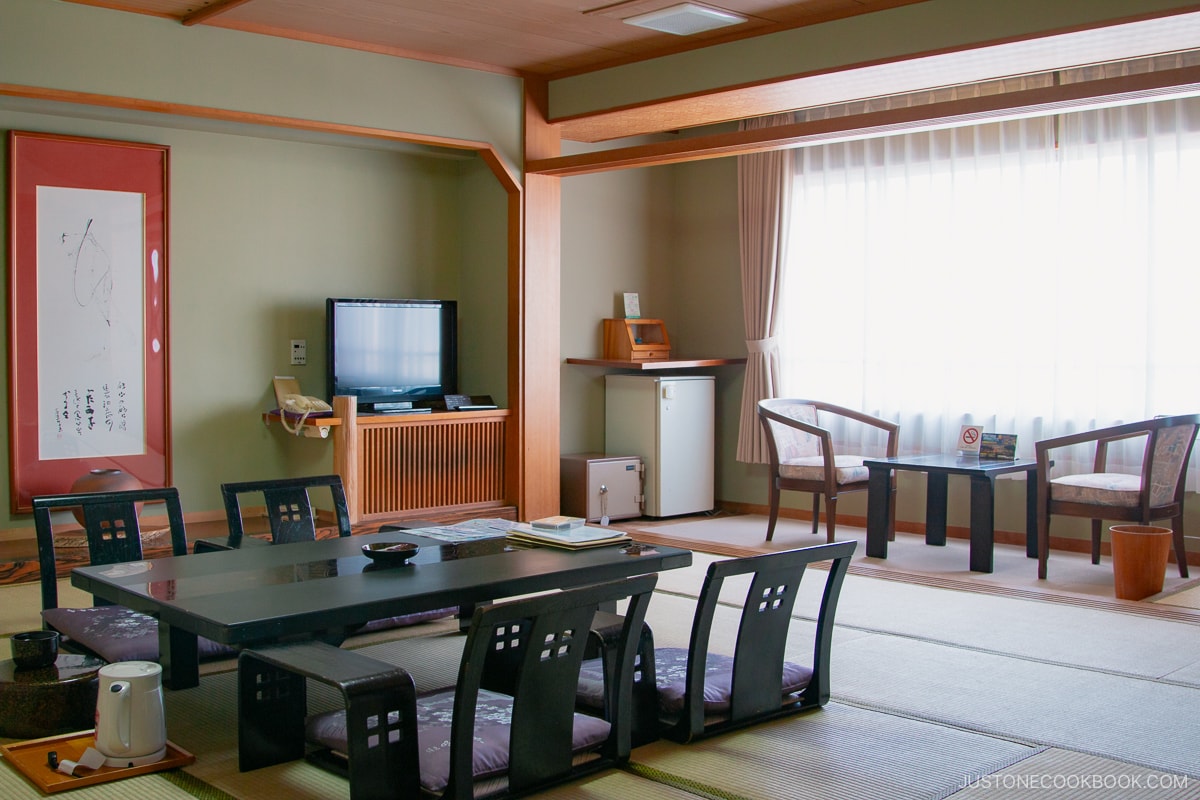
(289, 510)
(288, 507)
(114, 536)
(701, 693)
(510, 724)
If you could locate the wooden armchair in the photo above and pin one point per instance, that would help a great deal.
(803, 458)
(1155, 493)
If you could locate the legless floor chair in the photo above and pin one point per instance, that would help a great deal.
(700, 693)
(114, 536)
(508, 728)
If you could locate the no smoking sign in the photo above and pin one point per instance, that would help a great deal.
(969, 437)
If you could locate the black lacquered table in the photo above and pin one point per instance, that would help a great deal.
(261, 594)
(939, 467)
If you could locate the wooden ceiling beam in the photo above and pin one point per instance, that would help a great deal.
(1030, 102)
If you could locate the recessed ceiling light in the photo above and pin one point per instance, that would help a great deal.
(685, 19)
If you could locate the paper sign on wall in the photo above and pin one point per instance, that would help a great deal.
(969, 438)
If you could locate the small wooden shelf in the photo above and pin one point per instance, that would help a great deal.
(314, 427)
(645, 366)
(636, 340)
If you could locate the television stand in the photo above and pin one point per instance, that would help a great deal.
(417, 465)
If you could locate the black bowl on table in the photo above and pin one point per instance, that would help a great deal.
(390, 553)
(34, 649)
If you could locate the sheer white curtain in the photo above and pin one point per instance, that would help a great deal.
(1037, 277)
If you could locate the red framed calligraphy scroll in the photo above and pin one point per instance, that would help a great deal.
(88, 362)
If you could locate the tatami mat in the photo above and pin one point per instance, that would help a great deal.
(1145, 722)
(1072, 578)
(1129, 645)
(617, 785)
(933, 691)
(144, 787)
(832, 753)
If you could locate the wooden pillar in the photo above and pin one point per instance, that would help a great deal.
(345, 451)
(534, 302)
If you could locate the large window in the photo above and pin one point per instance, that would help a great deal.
(1037, 277)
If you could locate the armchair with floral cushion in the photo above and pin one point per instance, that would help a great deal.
(1154, 493)
(803, 457)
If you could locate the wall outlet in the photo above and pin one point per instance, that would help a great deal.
(299, 351)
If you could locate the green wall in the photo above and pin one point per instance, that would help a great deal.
(265, 223)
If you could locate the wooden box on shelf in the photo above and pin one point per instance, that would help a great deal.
(636, 340)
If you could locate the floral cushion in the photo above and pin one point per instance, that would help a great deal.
(1102, 488)
(670, 665)
(793, 443)
(847, 469)
(116, 633)
(435, 713)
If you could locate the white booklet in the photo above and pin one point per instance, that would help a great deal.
(573, 538)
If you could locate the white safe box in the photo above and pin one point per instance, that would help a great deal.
(594, 485)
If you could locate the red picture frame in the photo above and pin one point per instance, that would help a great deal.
(88, 365)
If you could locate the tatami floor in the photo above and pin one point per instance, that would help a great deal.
(945, 684)
(1071, 577)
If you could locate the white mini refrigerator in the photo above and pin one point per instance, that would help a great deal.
(668, 421)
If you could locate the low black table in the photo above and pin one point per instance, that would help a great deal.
(982, 472)
(262, 594)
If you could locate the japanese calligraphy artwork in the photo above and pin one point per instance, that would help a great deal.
(88, 368)
(89, 292)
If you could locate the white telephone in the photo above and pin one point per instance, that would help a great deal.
(295, 407)
(303, 404)
(299, 405)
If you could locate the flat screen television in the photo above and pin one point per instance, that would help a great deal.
(392, 355)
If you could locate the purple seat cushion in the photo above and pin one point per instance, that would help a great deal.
(116, 633)
(404, 620)
(435, 712)
(670, 667)
(590, 692)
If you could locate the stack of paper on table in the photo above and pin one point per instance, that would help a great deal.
(572, 539)
(558, 523)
